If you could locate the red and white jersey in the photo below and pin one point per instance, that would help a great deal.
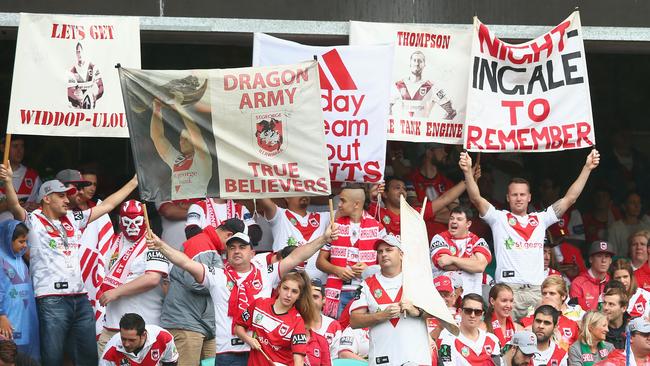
(26, 184)
(55, 252)
(444, 243)
(639, 304)
(158, 348)
(396, 341)
(519, 244)
(331, 330)
(414, 98)
(553, 356)
(151, 301)
(462, 351)
(209, 212)
(289, 228)
(356, 341)
(190, 173)
(219, 285)
(567, 331)
(280, 335)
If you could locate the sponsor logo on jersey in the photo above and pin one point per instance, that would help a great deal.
(125, 362)
(52, 243)
(29, 182)
(509, 243)
(377, 293)
(438, 244)
(155, 354)
(245, 315)
(155, 255)
(78, 215)
(316, 352)
(299, 339)
(532, 221)
(464, 351)
(313, 222)
(347, 340)
(512, 221)
(386, 219)
(49, 229)
(258, 318)
(230, 285)
(488, 348)
(257, 284)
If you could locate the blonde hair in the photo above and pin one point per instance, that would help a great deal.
(558, 283)
(590, 319)
(643, 233)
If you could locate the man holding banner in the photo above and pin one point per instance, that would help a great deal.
(394, 340)
(519, 236)
(65, 315)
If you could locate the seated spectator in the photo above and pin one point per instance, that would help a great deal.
(621, 271)
(614, 305)
(473, 345)
(632, 221)
(498, 319)
(323, 324)
(318, 351)
(603, 214)
(639, 351)
(545, 321)
(588, 286)
(138, 343)
(568, 259)
(592, 346)
(638, 248)
(354, 344)
(18, 318)
(554, 294)
(520, 350)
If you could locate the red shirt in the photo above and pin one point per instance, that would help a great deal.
(572, 255)
(280, 335)
(587, 289)
(318, 351)
(642, 276)
(440, 184)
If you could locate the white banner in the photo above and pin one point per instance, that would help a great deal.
(529, 97)
(429, 78)
(65, 82)
(354, 97)
(251, 132)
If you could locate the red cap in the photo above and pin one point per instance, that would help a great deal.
(443, 283)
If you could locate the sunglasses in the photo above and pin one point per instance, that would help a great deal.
(470, 311)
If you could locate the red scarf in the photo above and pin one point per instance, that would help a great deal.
(313, 222)
(504, 335)
(473, 238)
(242, 295)
(342, 256)
(211, 211)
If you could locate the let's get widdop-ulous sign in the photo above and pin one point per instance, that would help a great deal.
(529, 97)
(65, 82)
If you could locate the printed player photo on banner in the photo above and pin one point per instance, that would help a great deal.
(171, 133)
(65, 82)
(429, 79)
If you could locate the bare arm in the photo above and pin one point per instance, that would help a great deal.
(157, 131)
(144, 283)
(349, 354)
(195, 132)
(13, 205)
(361, 318)
(269, 208)
(174, 211)
(298, 359)
(474, 264)
(177, 257)
(447, 198)
(113, 200)
(474, 193)
(572, 194)
(304, 252)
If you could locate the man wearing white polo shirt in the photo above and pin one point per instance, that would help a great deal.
(66, 317)
(519, 236)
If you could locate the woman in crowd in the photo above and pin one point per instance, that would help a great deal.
(498, 319)
(591, 346)
(621, 270)
(638, 248)
(18, 319)
(290, 314)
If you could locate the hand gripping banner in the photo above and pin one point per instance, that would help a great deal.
(230, 133)
(529, 97)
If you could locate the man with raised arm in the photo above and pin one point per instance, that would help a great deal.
(234, 287)
(519, 236)
(66, 317)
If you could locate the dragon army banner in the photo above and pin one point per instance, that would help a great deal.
(354, 97)
(231, 133)
(65, 82)
(529, 97)
(428, 81)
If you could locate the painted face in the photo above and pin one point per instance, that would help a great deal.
(132, 220)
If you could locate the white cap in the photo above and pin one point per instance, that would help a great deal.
(526, 341)
(639, 324)
(54, 186)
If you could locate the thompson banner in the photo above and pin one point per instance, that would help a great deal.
(529, 97)
(429, 78)
(231, 133)
(354, 98)
(65, 82)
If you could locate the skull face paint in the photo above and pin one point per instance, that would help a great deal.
(132, 220)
